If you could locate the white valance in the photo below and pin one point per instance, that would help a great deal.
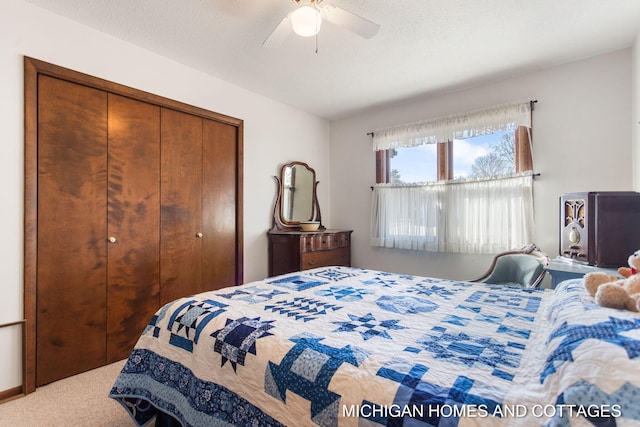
(459, 126)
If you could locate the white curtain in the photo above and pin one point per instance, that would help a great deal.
(406, 217)
(473, 216)
(459, 126)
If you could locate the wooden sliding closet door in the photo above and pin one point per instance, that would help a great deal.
(219, 205)
(98, 226)
(133, 222)
(181, 205)
(71, 244)
(199, 230)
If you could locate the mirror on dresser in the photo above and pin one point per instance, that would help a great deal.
(296, 199)
(298, 240)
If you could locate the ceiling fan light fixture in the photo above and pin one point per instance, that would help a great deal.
(306, 21)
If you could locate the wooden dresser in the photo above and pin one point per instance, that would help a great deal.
(291, 251)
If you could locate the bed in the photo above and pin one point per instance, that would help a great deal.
(341, 346)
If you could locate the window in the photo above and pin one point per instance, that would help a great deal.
(481, 156)
(456, 184)
(484, 156)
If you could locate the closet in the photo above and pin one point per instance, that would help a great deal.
(131, 201)
(198, 218)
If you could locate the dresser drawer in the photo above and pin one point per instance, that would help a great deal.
(291, 251)
(339, 256)
(324, 241)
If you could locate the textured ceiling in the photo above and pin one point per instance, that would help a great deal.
(423, 46)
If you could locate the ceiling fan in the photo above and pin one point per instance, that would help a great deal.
(307, 19)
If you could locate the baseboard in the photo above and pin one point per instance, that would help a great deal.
(10, 394)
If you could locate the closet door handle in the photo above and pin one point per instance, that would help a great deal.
(199, 235)
(112, 239)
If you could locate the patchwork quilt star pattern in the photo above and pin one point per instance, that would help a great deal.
(368, 326)
(190, 319)
(238, 338)
(349, 347)
(253, 294)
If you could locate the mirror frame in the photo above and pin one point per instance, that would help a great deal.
(279, 220)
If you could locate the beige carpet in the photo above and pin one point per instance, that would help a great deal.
(81, 400)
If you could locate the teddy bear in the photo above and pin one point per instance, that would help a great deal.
(610, 291)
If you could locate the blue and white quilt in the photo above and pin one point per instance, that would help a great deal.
(342, 346)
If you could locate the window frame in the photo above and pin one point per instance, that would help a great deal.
(444, 156)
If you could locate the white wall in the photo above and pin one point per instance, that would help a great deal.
(635, 117)
(273, 134)
(581, 137)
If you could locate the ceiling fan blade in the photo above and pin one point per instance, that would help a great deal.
(352, 22)
(279, 34)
